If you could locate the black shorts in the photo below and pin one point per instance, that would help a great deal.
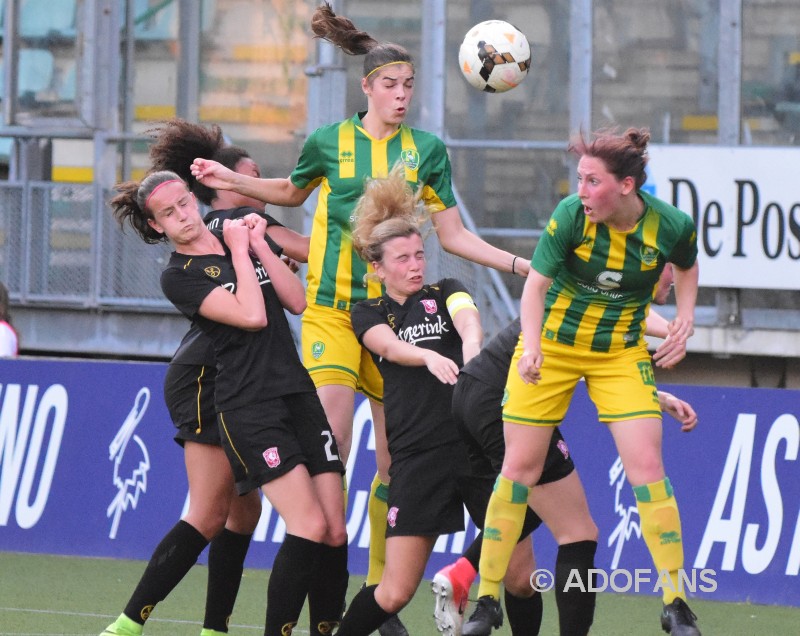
(266, 440)
(424, 495)
(479, 419)
(189, 394)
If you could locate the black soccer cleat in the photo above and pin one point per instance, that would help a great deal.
(393, 627)
(678, 620)
(488, 615)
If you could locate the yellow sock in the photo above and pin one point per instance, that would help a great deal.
(661, 531)
(377, 509)
(504, 518)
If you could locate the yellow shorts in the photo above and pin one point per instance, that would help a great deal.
(621, 385)
(333, 355)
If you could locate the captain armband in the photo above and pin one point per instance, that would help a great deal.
(458, 301)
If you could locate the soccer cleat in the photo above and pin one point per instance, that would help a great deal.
(393, 627)
(211, 632)
(450, 602)
(487, 615)
(678, 620)
(123, 626)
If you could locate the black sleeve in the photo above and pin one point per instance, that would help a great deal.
(214, 219)
(365, 315)
(185, 289)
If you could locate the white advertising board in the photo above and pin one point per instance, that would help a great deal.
(746, 204)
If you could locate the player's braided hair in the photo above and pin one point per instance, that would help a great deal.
(129, 204)
(341, 32)
(387, 209)
(179, 142)
(624, 155)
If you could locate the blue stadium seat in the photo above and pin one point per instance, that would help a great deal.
(6, 146)
(163, 24)
(47, 18)
(35, 71)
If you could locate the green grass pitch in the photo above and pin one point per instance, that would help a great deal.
(43, 595)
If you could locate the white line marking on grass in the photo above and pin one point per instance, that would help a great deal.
(111, 617)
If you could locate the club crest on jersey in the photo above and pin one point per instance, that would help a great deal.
(213, 271)
(272, 457)
(648, 254)
(317, 349)
(410, 158)
(391, 516)
(430, 305)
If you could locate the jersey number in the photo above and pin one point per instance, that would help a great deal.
(332, 457)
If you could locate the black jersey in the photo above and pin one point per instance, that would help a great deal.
(490, 366)
(417, 404)
(251, 365)
(195, 347)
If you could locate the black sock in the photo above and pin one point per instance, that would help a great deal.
(225, 565)
(364, 615)
(532, 521)
(328, 589)
(575, 608)
(171, 560)
(296, 563)
(524, 614)
(473, 552)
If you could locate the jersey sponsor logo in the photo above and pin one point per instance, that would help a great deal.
(430, 305)
(131, 462)
(391, 516)
(261, 274)
(272, 457)
(346, 156)
(648, 254)
(424, 331)
(596, 290)
(317, 349)
(562, 446)
(410, 158)
(213, 271)
(552, 226)
(609, 279)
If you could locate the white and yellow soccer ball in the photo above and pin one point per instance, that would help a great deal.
(495, 56)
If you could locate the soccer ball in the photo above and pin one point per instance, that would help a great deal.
(495, 56)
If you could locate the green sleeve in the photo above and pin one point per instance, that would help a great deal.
(310, 165)
(556, 241)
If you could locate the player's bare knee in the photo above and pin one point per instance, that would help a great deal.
(394, 595)
(336, 535)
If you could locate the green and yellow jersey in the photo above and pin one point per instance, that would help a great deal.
(339, 158)
(603, 280)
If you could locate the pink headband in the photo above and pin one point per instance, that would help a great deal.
(163, 183)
